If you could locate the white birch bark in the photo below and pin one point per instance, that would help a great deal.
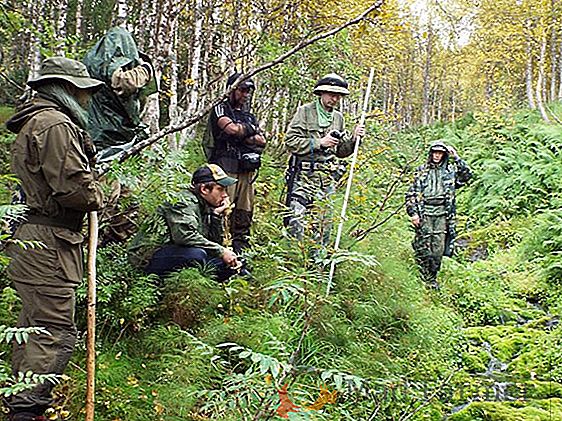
(194, 74)
(59, 17)
(79, 6)
(540, 88)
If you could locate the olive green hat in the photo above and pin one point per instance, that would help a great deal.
(63, 68)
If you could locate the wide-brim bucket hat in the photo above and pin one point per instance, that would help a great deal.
(62, 68)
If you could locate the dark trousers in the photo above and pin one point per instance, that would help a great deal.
(172, 258)
(429, 246)
(52, 308)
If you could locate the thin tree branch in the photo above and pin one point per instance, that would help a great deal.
(186, 121)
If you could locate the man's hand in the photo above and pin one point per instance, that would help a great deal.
(453, 152)
(359, 131)
(328, 141)
(256, 140)
(230, 259)
(416, 221)
(224, 206)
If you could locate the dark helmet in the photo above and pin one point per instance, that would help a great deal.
(332, 83)
(245, 84)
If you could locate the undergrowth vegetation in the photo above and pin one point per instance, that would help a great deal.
(380, 346)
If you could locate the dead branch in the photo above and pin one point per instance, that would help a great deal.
(185, 120)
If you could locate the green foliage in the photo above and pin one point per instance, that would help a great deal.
(126, 298)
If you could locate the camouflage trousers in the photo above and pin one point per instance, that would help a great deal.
(50, 307)
(242, 195)
(310, 206)
(429, 246)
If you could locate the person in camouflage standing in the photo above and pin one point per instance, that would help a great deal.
(114, 113)
(316, 138)
(51, 156)
(430, 203)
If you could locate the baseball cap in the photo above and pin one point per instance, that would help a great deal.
(212, 173)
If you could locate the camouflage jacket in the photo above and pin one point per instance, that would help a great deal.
(304, 134)
(451, 174)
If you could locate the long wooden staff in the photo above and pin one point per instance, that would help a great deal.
(349, 181)
(91, 338)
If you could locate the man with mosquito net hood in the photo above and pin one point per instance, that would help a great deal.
(114, 122)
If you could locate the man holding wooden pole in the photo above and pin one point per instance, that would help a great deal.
(52, 158)
(316, 139)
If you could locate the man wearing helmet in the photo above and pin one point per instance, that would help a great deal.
(430, 203)
(236, 143)
(315, 138)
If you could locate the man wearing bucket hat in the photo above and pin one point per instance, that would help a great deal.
(235, 142)
(195, 230)
(430, 203)
(50, 157)
(316, 138)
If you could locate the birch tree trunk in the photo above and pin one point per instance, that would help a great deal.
(59, 17)
(79, 17)
(194, 74)
(36, 8)
(560, 70)
(529, 79)
(426, 77)
(553, 60)
(540, 88)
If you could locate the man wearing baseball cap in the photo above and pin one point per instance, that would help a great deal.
(316, 139)
(195, 229)
(51, 158)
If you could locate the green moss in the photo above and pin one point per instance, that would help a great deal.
(504, 411)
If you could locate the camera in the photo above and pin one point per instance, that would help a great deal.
(249, 161)
(337, 134)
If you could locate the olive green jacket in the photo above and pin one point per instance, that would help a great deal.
(48, 157)
(190, 222)
(304, 134)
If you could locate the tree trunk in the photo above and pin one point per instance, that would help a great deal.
(121, 14)
(59, 17)
(79, 17)
(426, 77)
(194, 74)
(540, 87)
(529, 67)
(560, 70)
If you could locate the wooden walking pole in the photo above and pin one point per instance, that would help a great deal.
(91, 338)
(349, 181)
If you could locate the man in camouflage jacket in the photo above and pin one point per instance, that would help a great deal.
(430, 203)
(51, 158)
(316, 138)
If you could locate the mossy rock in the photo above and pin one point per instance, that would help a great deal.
(542, 410)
